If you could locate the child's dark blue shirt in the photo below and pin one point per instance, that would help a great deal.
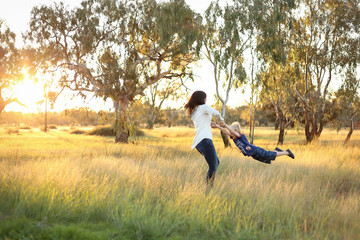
(243, 144)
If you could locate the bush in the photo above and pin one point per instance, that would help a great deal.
(25, 128)
(137, 132)
(12, 130)
(103, 131)
(110, 132)
(77, 131)
(48, 128)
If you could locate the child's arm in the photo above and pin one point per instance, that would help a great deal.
(214, 125)
(234, 133)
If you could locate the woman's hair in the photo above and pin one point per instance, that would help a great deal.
(236, 127)
(196, 99)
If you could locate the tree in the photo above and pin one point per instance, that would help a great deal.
(225, 39)
(273, 23)
(172, 115)
(156, 95)
(277, 81)
(10, 67)
(254, 82)
(326, 40)
(348, 100)
(116, 49)
(51, 93)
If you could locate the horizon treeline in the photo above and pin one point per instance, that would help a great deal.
(140, 114)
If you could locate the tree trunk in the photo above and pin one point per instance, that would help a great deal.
(281, 133)
(277, 123)
(170, 117)
(2, 106)
(281, 123)
(151, 119)
(309, 133)
(46, 113)
(150, 122)
(347, 139)
(225, 139)
(121, 124)
(2, 102)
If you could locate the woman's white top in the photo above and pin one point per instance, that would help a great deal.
(201, 117)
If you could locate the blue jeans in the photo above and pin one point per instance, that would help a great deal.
(207, 149)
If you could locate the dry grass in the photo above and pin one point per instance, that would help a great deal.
(154, 189)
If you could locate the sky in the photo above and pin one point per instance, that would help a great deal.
(16, 14)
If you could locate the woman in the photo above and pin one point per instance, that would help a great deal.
(201, 114)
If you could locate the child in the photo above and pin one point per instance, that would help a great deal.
(240, 140)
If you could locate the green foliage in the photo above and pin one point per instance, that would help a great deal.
(273, 21)
(25, 228)
(347, 101)
(225, 38)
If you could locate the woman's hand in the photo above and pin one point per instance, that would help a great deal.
(213, 125)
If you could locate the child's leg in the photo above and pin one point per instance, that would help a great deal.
(262, 155)
(280, 152)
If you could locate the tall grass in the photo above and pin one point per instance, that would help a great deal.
(62, 186)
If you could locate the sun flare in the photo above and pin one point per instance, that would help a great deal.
(29, 93)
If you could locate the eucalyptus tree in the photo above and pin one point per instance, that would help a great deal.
(348, 100)
(326, 40)
(225, 38)
(273, 30)
(117, 48)
(277, 82)
(10, 65)
(51, 90)
(157, 94)
(172, 114)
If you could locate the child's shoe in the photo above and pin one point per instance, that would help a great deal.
(290, 154)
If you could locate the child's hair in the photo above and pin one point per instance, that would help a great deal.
(196, 99)
(236, 127)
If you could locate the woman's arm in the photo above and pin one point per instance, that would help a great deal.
(214, 113)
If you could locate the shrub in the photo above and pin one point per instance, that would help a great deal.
(137, 132)
(77, 131)
(25, 128)
(109, 131)
(103, 131)
(12, 130)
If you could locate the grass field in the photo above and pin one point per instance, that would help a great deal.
(61, 186)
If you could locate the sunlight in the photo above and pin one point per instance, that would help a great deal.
(28, 93)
